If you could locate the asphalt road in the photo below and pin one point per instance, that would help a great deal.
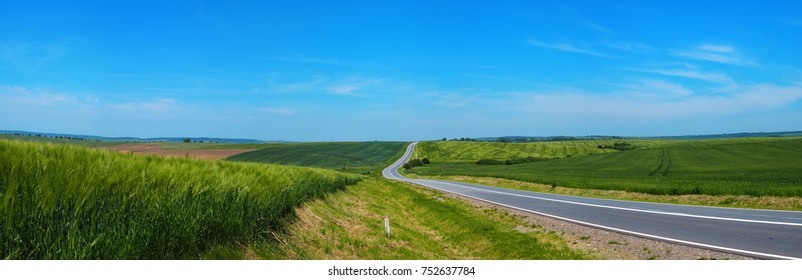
(763, 234)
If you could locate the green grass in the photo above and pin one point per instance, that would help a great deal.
(424, 225)
(752, 167)
(69, 202)
(83, 143)
(355, 157)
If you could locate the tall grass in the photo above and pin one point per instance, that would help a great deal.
(67, 202)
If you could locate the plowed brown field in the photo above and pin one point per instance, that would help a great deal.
(153, 149)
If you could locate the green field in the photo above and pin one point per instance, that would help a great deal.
(69, 202)
(456, 151)
(753, 166)
(358, 157)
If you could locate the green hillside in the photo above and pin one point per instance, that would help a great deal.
(69, 202)
(754, 166)
(361, 157)
(456, 151)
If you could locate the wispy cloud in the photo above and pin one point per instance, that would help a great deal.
(656, 89)
(27, 55)
(351, 86)
(628, 46)
(280, 111)
(22, 96)
(343, 89)
(158, 106)
(714, 53)
(314, 84)
(754, 98)
(718, 48)
(452, 99)
(583, 20)
(308, 60)
(569, 48)
(713, 77)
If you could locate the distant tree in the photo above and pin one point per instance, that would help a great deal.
(425, 161)
(486, 161)
(187, 140)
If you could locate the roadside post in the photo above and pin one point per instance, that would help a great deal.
(387, 225)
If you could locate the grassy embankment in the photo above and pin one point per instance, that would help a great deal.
(424, 225)
(367, 158)
(740, 169)
(68, 202)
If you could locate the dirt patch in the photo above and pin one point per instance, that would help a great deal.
(154, 149)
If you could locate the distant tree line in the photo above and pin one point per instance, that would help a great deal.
(623, 146)
(464, 139)
(524, 139)
(487, 161)
(54, 136)
(188, 140)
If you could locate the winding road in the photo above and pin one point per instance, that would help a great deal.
(765, 234)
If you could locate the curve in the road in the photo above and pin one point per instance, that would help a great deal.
(758, 233)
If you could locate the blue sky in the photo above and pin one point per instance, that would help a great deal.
(400, 70)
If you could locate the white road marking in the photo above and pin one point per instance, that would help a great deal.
(624, 208)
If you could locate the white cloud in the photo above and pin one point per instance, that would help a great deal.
(26, 55)
(343, 89)
(309, 85)
(628, 46)
(714, 53)
(347, 87)
(658, 89)
(569, 48)
(34, 97)
(584, 21)
(308, 60)
(352, 86)
(718, 48)
(452, 99)
(280, 111)
(158, 106)
(713, 77)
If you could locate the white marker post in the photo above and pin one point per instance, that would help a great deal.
(387, 225)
